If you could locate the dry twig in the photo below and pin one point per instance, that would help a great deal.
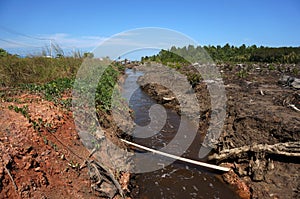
(11, 178)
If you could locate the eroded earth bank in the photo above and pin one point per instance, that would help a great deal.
(261, 132)
(42, 155)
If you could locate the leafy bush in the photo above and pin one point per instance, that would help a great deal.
(53, 90)
(194, 78)
(105, 88)
(3, 53)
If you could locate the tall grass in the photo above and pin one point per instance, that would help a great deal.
(15, 70)
(53, 76)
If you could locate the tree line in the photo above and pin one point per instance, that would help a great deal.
(227, 53)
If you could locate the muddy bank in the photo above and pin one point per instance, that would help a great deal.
(259, 110)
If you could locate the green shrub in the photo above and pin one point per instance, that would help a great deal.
(271, 67)
(105, 88)
(242, 73)
(52, 89)
(194, 78)
(53, 76)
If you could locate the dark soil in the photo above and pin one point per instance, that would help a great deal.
(257, 112)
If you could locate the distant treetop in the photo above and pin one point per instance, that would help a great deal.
(227, 52)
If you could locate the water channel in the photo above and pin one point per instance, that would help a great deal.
(178, 180)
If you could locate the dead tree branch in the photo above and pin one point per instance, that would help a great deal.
(290, 149)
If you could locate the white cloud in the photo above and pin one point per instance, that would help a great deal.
(115, 46)
(68, 41)
(62, 39)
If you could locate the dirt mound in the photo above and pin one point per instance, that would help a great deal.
(40, 151)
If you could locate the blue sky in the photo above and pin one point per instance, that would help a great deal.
(28, 26)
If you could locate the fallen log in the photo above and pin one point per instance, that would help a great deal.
(290, 149)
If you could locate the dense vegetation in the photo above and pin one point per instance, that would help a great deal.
(52, 77)
(228, 53)
(15, 70)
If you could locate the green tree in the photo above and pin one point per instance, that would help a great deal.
(3, 53)
(88, 55)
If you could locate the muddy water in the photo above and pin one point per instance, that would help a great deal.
(178, 180)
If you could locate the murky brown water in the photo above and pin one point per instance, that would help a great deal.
(178, 180)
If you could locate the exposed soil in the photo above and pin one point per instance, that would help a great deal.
(258, 111)
(42, 152)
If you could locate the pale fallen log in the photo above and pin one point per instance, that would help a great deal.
(203, 164)
(290, 149)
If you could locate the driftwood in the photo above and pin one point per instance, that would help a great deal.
(103, 181)
(290, 149)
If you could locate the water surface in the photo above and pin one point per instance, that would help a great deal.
(178, 180)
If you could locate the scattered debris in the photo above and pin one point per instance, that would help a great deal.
(290, 81)
(103, 181)
(261, 92)
(253, 120)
